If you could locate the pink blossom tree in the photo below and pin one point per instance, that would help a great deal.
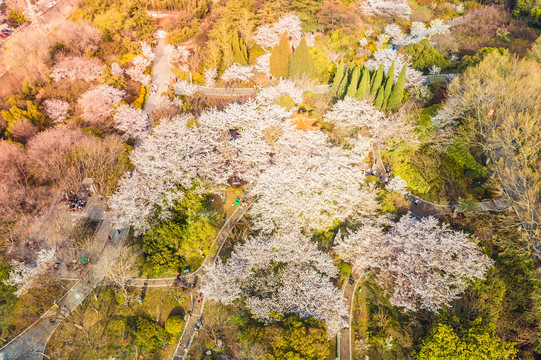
(130, 121)
(77, 68)
(138, 68)
(177, 56)
(96, 104)
(56, 109)
(116, 70)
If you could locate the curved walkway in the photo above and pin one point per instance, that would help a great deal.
(343, 340)
(189, 332)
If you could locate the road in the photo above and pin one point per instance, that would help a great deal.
(32, 32)
(344, 336)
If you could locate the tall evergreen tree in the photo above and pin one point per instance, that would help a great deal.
(378, 104)
(389, 80)
(279, 59)
(345, 82)
(364, 84)
(354, 82)
(395, 99)
(301, 61)
(237, 45)
(338, 77)
(376, 81)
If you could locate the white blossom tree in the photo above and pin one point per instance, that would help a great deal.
(281, 273)
(177, 56)
(427, 265)
(266, 36)
(146, 51)
(268, 95)
(186, 88)
(23, 274)
(210, 77)
(237, 72)
(56, 109)
(395, 34)
(77, 68)
(388, 8)
(96, 104)
(130, 121)
(354, 112)
(289, 24)
(262, 64)
(438, 27)
(138, 68)
(397, 185)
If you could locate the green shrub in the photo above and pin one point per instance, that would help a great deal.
(285, 101)
(174, 325)
(16, 18)
(139, 103)
(322, 65)
(423, 56)
(178, 36)
(479, 55)
(256, 52)
(150, 334)
(345, 269)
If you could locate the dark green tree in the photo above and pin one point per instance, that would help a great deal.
(345, 82)
(378, 104)
(239, 49)
(376, 81)
(389, 80)
(338, 77)
(150, 334)
(279, 59)
(301, 62)
(364, 84)
(354, 83)
(395, 99)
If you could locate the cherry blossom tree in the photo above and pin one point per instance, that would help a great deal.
(77, 68)
(266, 36)
(146, 51)
(268, 95)
(262, 64)
(131, 121)
(388, 8)
(116, 70)
(96, 104)
(224, 144)
(23, 274)
(289, 24)
(395, 34)
(386, 56)
(354, 112)
(138, 68)
(311, 185)
(186, 88)
(56, 109)
(210, 77)
(281, 273)
(397, 185)
(177, 56)
(438, 27)
(427, 265)
(166, 107)
(237, 72)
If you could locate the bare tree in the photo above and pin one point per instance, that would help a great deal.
(119, 266)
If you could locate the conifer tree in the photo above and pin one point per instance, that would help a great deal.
(376, 81)
(378, 104)
(352, 87)
(237, 45)
(279, 59)
(389, 80)
(347, 78)
(395, 99)
(301, 61)
(364, 84)
(338, 77)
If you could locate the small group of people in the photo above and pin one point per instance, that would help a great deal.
(74, 201)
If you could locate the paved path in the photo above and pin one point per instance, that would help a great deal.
(189, 331)
(31, 343)
(344, 336)
(161, 75)
(235, 92)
